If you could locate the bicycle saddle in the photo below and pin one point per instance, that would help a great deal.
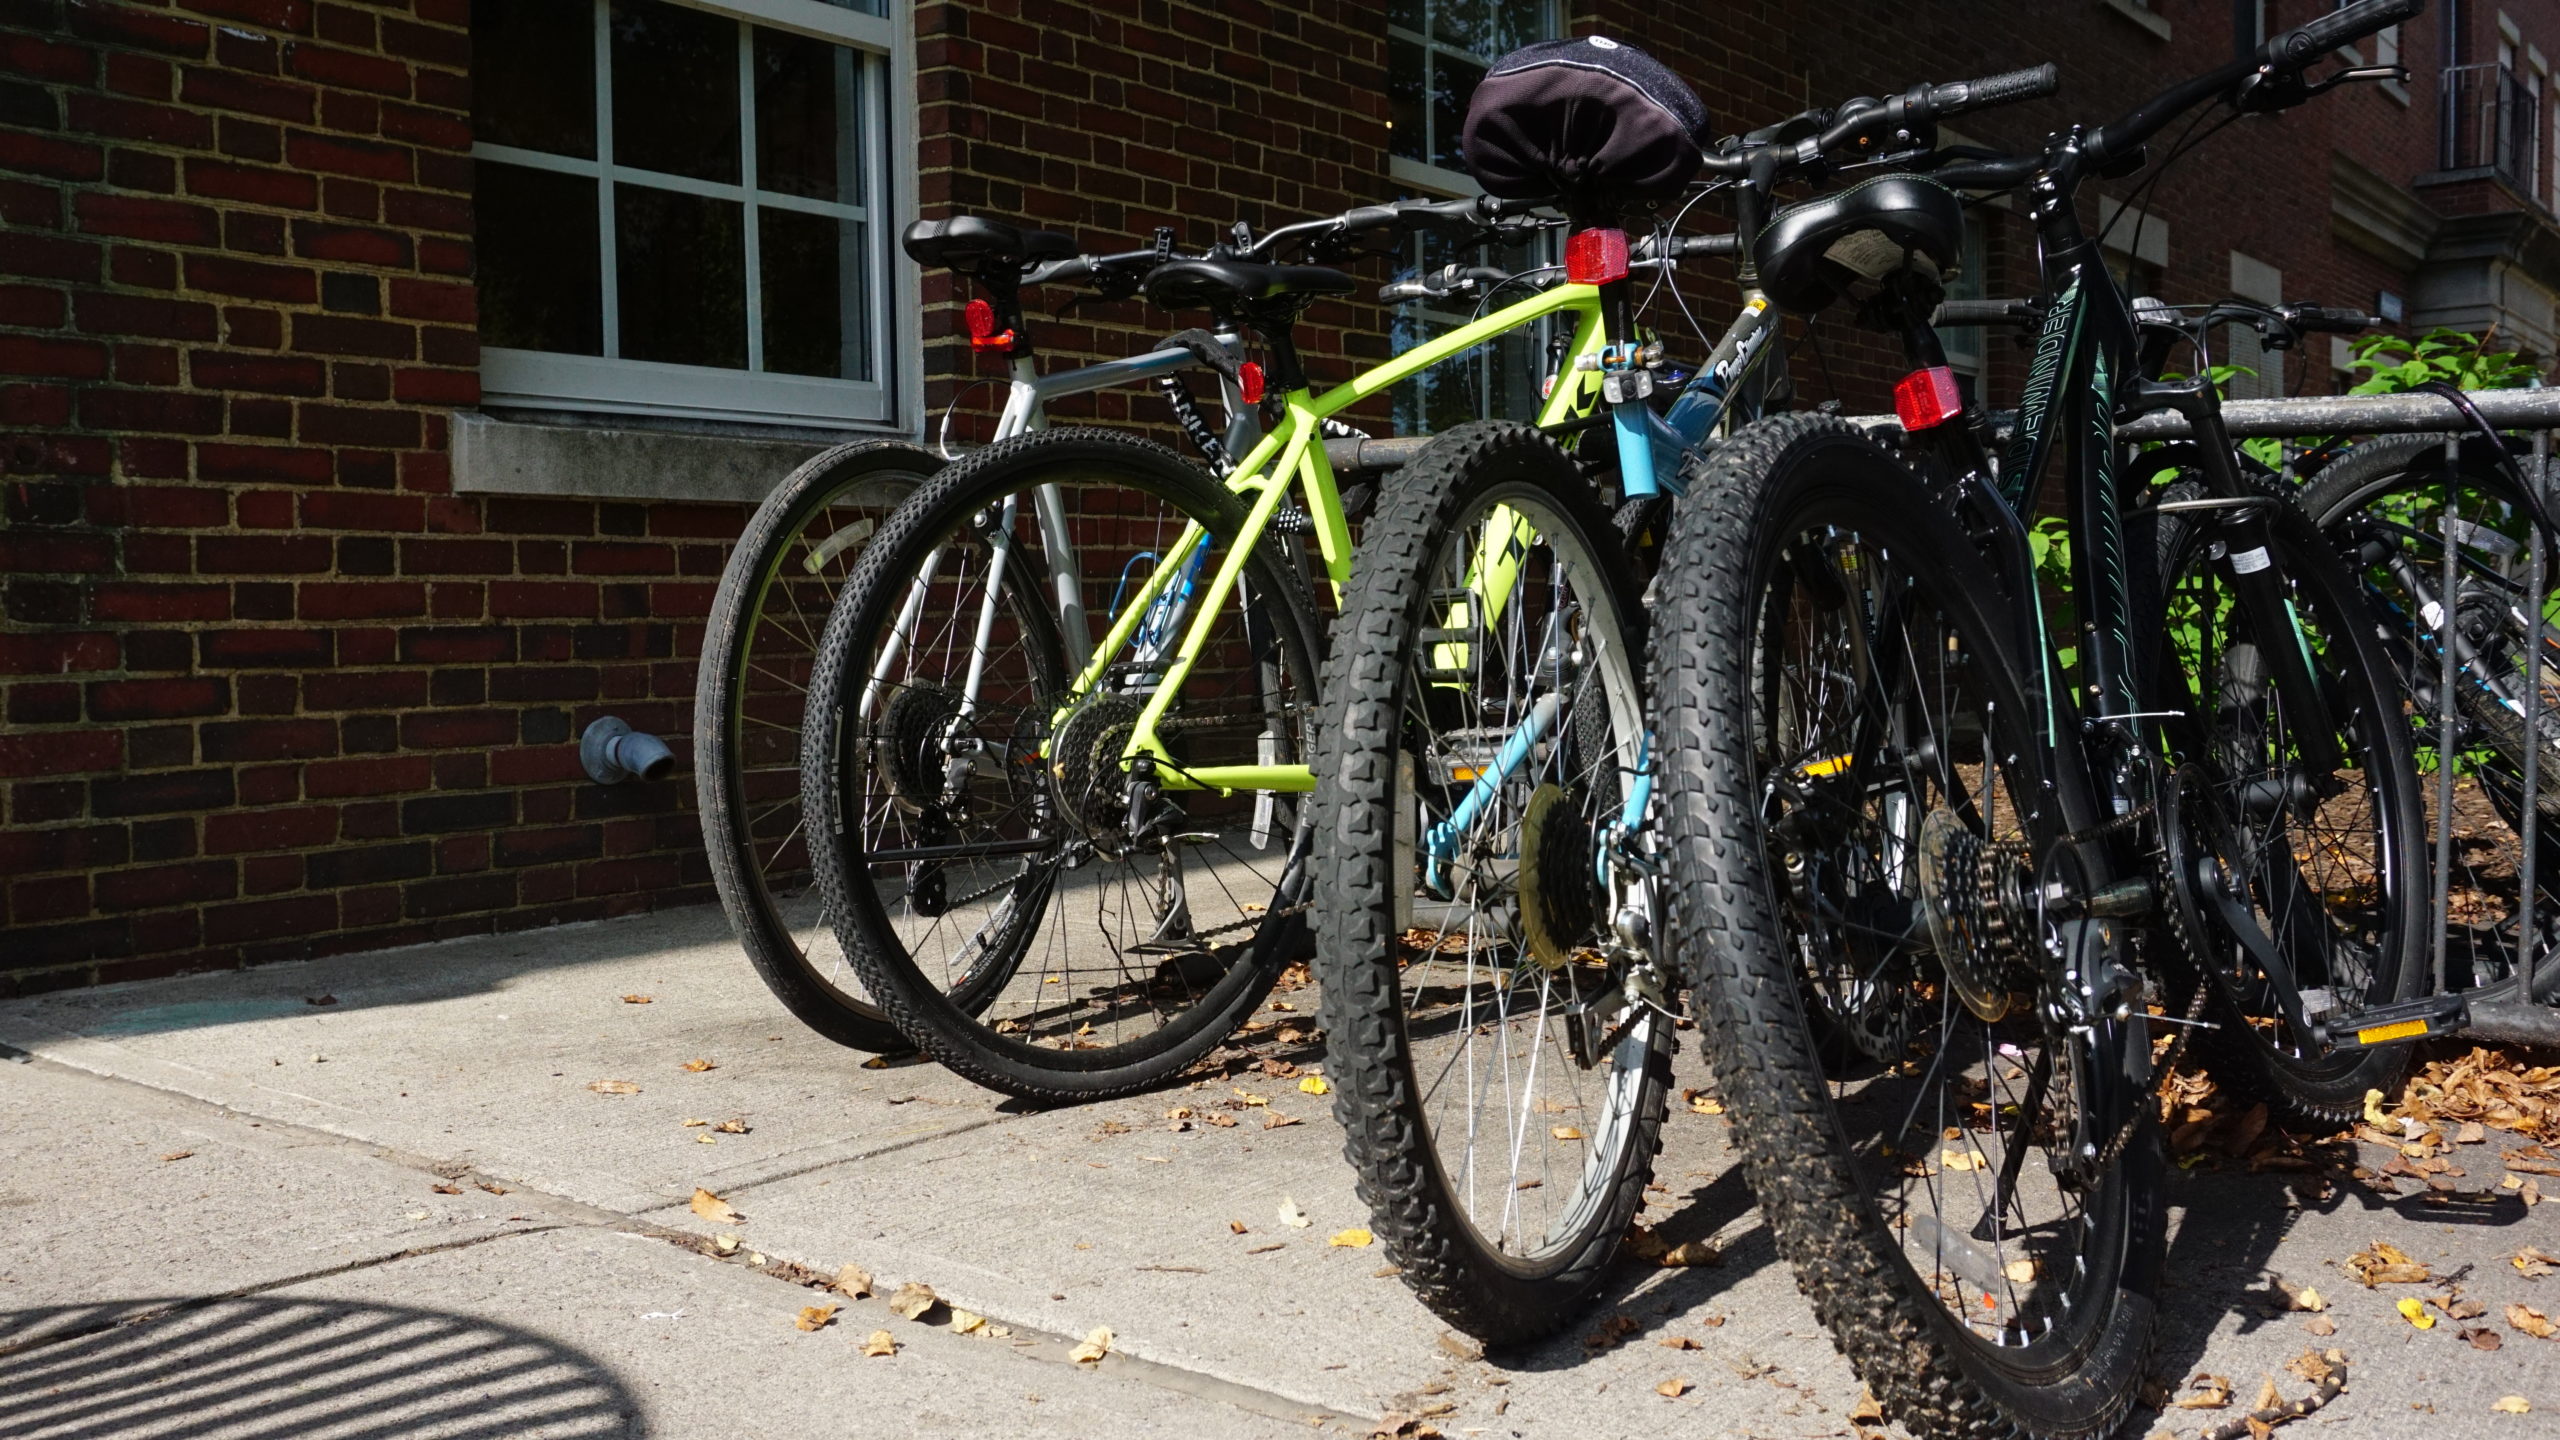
(1228, 286)
(971, 242)
(1811, 252)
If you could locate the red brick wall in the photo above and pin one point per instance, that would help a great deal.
(267, 687)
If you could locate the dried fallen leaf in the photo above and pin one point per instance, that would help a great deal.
(1701, 1103)
(1097, 1343)
(1961, 1159)
(2512, 1405)
(1465, 1347)
(2385, 1264)
(691, 1124)
(2373, 1102)
(1292, 1216)
(443, 1189)
(1677, 1342)
(2472, 1132)
(175, 1155)
(2533, 1264)
(1675, 1388)
(1564, 1132)
(816, 1317)
(1315, 1085)
(2321, 1325)
(637, 999)
(1691, 1252)
(696, 1067)
(852, 1281)
(2020, 1272)
(2481, 1337)
(1236, 1227)
(714, 1209)
(2213, 1392)
(724, 1244)
(614, 1087)
(734, 1125)
(1275, 1120)
(1866, 1411)
(966, 1322)
(913, 1299)
(880, 1343)
(2267, 1399)
(1354, 1238)
(2532, 1322)
(2415, 1312)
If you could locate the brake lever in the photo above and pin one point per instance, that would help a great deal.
(2353, 74)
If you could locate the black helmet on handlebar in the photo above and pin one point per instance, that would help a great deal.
(1593, 124)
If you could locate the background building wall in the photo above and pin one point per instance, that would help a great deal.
(270, 687)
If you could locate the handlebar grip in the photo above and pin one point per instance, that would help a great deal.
(1682, 247)
(2331, 319)
(1371, 217)
(2339, 27)
(1074, 270)
(1964, 95)
(1982, 312)
(1403, 290)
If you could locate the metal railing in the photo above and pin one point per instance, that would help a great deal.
(2492, 120)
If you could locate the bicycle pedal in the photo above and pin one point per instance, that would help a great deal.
(2424, 1018)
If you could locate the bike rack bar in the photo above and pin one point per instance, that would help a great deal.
(2360, 415)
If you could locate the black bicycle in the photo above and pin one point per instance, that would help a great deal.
(1952, 844)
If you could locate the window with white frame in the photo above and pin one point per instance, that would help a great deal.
(681, 207)
(1436, 52)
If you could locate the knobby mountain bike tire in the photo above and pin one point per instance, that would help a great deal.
(1501, 1123)
(1025, 907)
(757, 648)
(2331, 866)
(1844, 733)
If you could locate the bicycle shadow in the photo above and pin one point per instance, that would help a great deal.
(271, 1366)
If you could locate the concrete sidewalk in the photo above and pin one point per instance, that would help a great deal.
(228, 1209)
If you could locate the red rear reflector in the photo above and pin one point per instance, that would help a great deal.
(1249, 380)
(1596, 257)
(980, 317)
(1927, 399)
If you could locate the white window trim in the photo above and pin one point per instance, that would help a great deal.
(546, 380)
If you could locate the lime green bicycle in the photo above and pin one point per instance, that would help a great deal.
(1063, 714)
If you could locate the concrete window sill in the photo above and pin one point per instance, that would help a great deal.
(493, 455)
(2140, 15)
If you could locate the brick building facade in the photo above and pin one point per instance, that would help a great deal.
(368, 425)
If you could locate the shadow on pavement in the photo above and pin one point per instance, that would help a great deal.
(264, 1366)
(408, 975)
(1655, 1298)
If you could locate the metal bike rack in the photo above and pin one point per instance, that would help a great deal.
(2514, 1017)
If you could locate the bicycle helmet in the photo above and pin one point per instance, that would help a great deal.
(1592, 124)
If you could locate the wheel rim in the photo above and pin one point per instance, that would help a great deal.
(1074, 942)
(1882, 729)
(1530, 1085)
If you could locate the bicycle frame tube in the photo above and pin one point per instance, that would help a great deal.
(1292, 453)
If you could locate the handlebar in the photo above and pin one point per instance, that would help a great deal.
(1864, 122)
(2326, 319)
(1681, 247)
(1952, 313)
(2335, 29)
(1465, 216)
(2280, 61)
(1079, 269)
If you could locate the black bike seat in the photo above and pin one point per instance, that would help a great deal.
(974, 243)
(1232, 285)
(1809, 252)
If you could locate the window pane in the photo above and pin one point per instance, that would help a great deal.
(867, 7)
(540, 288)
(1405, 109)
(1490, 28)
(1453, 84)
(813, 295)
(680, 263)
(533, 75)
(808, 118)
(1406, 13)
(675, 90)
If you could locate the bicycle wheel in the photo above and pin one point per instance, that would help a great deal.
(1030, 909)
(1499, 1057)
(2389, 504)
(2314, 840)
(1857, 793)
(757, 649)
